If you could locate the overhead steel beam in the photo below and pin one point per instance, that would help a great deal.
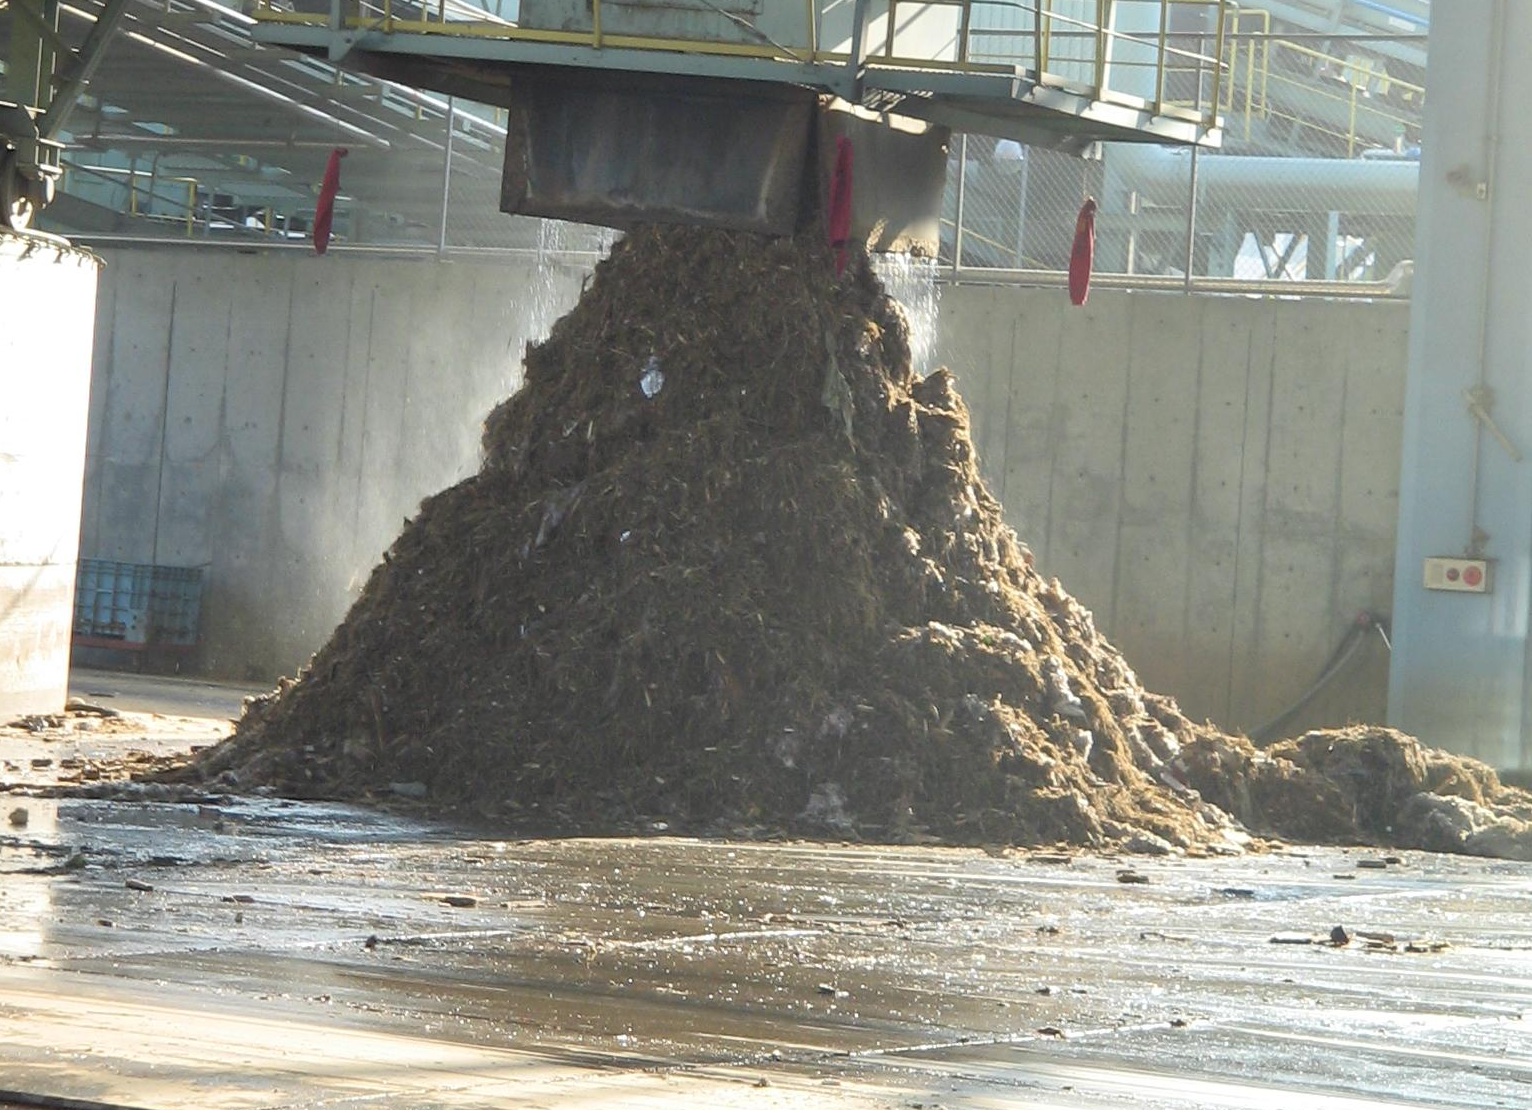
(217, 142)
(86, 60)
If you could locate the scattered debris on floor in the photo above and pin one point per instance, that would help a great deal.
(1363, 784)
(729, 567)
(1339, 936)
(78, 706)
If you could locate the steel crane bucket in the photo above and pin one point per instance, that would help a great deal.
(713, 153)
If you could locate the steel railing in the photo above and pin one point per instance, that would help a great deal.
(1068, 44)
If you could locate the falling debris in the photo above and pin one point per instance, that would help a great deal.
(765, 590)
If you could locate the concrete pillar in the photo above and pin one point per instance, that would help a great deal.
(48, 308)
(1459, 672)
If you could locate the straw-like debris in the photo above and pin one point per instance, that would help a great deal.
(729, 566)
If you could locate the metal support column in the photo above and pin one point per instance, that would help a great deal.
(957, 225)
(1460, 675)
(1191, 222)
(441, 235)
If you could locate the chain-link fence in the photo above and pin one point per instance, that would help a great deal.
(1166, 216)
(1180, 216)
(1313, 190)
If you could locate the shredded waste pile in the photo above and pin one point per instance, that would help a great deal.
(729, 567)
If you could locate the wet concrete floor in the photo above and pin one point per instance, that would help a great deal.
(249, 951)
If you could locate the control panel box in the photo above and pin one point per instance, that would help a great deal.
(1458, 574)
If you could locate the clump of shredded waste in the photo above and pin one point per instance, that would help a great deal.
(729, 566)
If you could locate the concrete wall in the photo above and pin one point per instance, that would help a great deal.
(47, 295)
(273, 418)
(1216, 478)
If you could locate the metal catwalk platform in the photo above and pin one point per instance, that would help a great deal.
(1045, 71)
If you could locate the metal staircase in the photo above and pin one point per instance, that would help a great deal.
(1328, 77)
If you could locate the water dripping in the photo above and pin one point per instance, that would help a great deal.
(565, 252)
(911, 281)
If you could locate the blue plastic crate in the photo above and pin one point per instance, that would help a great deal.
(175, 605)
(136, 605)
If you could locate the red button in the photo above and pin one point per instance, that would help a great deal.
(1472, 576)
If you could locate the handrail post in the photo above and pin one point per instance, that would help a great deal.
(965, 23)
(1039, 46)
(1159, 61)
(1249, 84)
(1103, 7)
(595, 23)
(1212, 120)
(852, 86)
(1351, 126)
(1265, 61)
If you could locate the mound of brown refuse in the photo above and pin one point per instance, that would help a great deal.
(729, 567)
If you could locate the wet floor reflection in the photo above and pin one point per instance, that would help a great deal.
(1000, 970)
